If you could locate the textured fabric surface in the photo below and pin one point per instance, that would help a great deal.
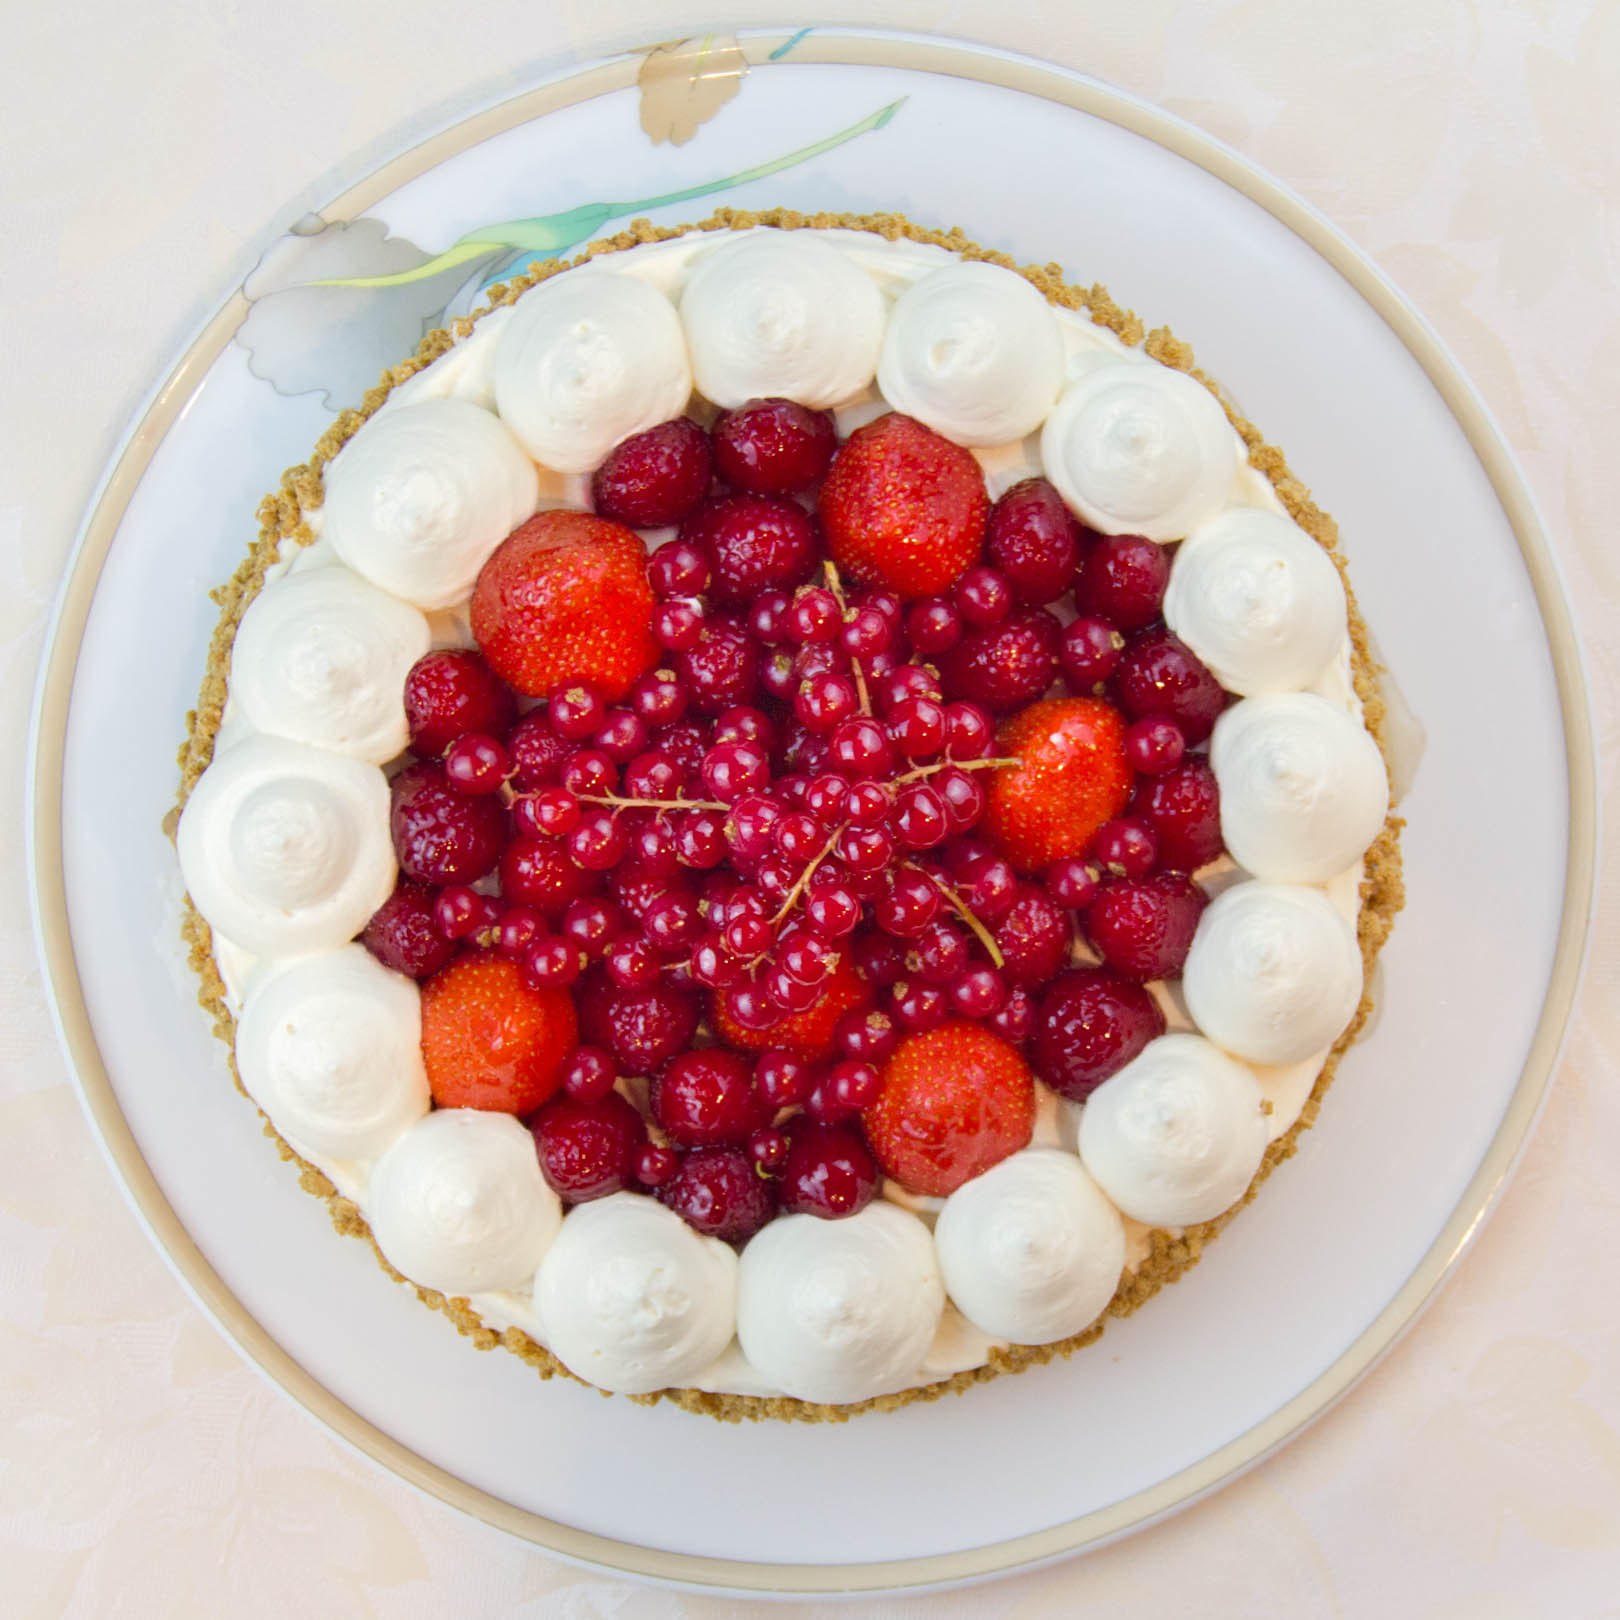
(1471, 149)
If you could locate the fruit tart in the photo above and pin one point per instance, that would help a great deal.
(790, 817)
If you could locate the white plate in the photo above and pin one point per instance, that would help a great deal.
(1346, 1242)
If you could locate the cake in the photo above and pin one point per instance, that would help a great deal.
(790, 817)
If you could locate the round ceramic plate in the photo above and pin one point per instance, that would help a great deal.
(1347, 1240)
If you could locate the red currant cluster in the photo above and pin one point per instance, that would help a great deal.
(778, 823)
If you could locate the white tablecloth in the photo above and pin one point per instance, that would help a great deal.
(1471, 148)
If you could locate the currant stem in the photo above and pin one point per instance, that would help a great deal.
(804, 877)
(958, 765)
(650, 804)
(836, 586)
(959, 906)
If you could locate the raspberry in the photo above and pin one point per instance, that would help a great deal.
(773, 446)
(402, 934)
(757, 544)
(442, 836)
(1090, 1024)
(1005, 665)
(654, 478)
(450, 692)
(1143, 927)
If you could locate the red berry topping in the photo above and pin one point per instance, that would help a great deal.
(538, 873)
(450, 692)
(707, 1098)
(721, 667)
(489, 1041)
(830, 1171)
(588, 1149)
(1073, 778)
(1125, 848)
(642, 1028)
(756, 543)
(1154, 745)
(718, 1192)
(1123, 580)
(1034, 540)
(1090, 1024)
(1033, 937)
(955, 1101)
(476, 764)
(808, 1034)
(903, 508)
(1183, 807)
(1159, 674)
(773, 446)
(565, 598)
(1005, 665)
(441, 835)
(403, 935)
(1143, 927)
(537, 752)
(1091, 652)
(654, 478)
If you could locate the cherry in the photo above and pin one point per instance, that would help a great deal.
(707, 1098)
(1159, 674)
(643, 1029)
(1034, 540)
(1183, 807)
(1007, 664)
(1143, 927)
(1123, 580)
(757, 544)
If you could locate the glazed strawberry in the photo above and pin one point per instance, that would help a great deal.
(565, 598)
(904, 509)
(491, 1042)
(812, 1033)
(954, 1102)
(1073, 778)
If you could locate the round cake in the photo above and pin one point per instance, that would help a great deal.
(790, 817)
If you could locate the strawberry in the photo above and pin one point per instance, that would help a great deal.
(810, 1034)
(565, 598)
(955, 1101)
(1073, 778)
(903, 509)
(489, 1041)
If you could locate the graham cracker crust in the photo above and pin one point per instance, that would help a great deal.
(282, 516)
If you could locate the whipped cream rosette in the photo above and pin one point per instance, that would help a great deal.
(321, 658)
(458, 1203)
(330, 1048)
(767, 314)
(975, 352)
(585, 361)
(1136, 448)
(423, 494)
(633, 1299)
(648, 1210)
(285, 848)
(839, 1310)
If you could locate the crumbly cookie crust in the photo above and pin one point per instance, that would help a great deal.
(283, 516)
